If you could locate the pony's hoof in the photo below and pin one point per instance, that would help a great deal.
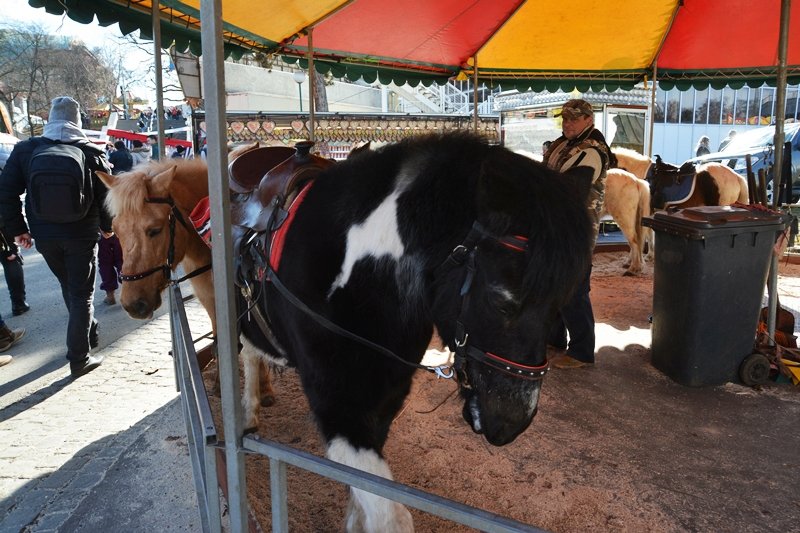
(250, 430)
(267, 400)
(630, 273)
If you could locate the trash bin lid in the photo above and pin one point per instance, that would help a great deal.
(698, 222)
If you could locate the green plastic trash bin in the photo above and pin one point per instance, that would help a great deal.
(711, 265)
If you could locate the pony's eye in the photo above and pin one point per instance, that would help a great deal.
(152, 232)
(504, 305)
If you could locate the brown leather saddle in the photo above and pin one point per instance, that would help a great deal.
(263, 181)
(259, 175)
(673, 174)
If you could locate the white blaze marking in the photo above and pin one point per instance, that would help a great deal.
(377, 236)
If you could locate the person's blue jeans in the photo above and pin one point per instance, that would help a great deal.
(577, 318)
(74, 263)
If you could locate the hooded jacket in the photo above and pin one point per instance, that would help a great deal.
(14, 182)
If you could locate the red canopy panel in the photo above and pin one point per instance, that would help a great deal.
(449, 33)
(734, 34)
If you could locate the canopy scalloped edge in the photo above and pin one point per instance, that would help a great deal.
(735, 79)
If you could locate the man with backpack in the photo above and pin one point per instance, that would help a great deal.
(64, 213)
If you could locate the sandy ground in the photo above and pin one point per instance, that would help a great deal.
(617, 447)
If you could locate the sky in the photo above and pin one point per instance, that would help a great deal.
(93, 34)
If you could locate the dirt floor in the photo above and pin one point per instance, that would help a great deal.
(616, 447)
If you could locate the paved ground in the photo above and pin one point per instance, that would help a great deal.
(106, 452)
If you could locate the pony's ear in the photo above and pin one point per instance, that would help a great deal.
(108, 179)
(366, 147)
(580, 180)
(160, 183)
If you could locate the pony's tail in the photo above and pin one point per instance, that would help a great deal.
(643, 234)
(744, 193)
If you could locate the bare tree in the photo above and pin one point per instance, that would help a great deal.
(39, 66)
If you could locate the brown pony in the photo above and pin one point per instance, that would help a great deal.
(144, 231)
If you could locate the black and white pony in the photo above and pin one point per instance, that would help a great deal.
(448, 231)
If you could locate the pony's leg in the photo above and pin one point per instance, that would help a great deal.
(635, 259)
(265, 384)
(251, 362)
(367, 512)
(651, 244)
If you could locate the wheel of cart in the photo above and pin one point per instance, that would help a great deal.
(755, 369)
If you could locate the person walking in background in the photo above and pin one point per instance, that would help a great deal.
(179, 152)
(152, 140)
(141, 154)
(727, 140)
(109, 259)
(64, 213)
(11, 260)
(109, 253)
(581, 144)
(121, 159)
(703, 146)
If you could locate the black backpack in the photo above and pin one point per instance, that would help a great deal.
(59, 182)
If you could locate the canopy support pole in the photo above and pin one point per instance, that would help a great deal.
(311, 84)
(156, 12)
(225, 301)
(475, 93)
(777, 168)
(652, 111)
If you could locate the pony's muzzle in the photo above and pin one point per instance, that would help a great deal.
(140, 308)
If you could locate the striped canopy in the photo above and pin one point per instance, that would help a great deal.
(538, 44)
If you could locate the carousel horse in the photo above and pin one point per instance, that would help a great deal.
(372, 253)
(151, 206)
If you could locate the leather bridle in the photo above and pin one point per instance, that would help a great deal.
(464, 256)
(166, 268)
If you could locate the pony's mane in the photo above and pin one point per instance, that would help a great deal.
(131, 192)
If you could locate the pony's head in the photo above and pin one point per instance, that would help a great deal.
(528, 248)
(144, 221)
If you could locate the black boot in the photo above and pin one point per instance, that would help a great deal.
(87, 365)
(21, 308)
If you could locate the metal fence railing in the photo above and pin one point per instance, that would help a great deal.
(200, 429)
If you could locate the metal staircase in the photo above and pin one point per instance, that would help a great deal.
(453, 98)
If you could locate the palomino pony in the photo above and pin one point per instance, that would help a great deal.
(627, 200)
(442, 231)
(146, 203)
